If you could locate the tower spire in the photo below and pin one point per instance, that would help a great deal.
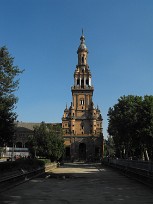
(82, 31)
(82, 47)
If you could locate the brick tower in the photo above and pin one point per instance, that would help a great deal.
(82, 122)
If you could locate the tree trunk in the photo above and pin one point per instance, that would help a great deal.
(146, 155)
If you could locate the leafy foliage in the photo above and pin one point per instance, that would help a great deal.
(47, 142)
(109, 150)
(131, 126)
(8, 85)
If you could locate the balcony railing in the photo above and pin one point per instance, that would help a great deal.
(81, 88)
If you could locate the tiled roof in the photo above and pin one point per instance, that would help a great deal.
(30, 125)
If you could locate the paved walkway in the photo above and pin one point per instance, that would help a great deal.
(80, 183)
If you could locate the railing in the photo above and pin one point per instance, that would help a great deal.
(139, 170)
(145, 165)
(84, 87)
(15, 151)
(20, 176)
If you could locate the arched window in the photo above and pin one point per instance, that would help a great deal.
(87, 81)
(67, 152)
(82, 83)
(82, 102)
(82, 151)
(78, 81)
(83, 59)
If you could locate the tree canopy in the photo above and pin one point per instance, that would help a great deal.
(131, 126)
(8, 85)
(47, 141)
(109, 150)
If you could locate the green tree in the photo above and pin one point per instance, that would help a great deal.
(146, 127)
(8, 85)
(47, 141)
(131, 126)
(109, 150)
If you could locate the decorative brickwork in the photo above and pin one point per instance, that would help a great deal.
(82, 121)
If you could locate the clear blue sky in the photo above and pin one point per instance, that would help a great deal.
(43, 36)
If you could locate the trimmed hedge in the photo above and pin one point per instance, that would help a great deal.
(26, 164)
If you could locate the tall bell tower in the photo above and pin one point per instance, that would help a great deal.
(82, 121)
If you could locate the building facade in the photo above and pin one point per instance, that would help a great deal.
(19, 146)
(82, 121)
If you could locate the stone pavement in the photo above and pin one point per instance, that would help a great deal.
(80, 183)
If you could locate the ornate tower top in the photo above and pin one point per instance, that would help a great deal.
(82, 52)
(82, 46)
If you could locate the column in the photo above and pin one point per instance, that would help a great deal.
(85, 81)
(89, 81)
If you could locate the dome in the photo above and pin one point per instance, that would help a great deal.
(82, 45)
